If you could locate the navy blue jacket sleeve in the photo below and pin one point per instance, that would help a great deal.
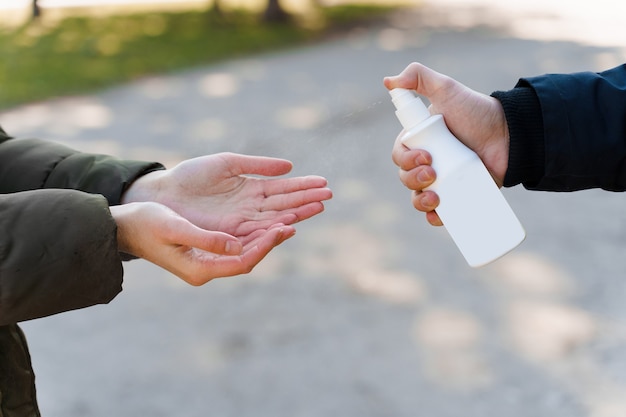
(567, 131)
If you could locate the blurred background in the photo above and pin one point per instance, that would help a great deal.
(368, 311)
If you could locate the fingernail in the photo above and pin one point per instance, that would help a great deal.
(233, 247)
(423, 176)
(427, 202)
(421, 159)
(283, 235)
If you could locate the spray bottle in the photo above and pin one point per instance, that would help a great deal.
(471, 206)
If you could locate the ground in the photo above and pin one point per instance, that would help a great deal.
(368, 311)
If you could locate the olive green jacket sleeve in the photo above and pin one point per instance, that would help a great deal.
(58, 241)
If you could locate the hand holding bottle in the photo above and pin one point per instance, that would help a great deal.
(473, 210)
(475, 119)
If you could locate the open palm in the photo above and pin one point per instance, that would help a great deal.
(228, 192)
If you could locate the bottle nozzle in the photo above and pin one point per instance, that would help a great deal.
(410, 109)
(401, 96)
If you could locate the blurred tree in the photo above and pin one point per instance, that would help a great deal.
(36, 9)
(275, 13)
(216, 8)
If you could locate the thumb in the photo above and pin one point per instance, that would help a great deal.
(416, 77)
(218, 243)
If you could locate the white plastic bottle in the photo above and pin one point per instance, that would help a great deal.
(471, 206)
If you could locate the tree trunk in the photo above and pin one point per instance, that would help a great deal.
(274, 13)
(217, 8)
(36, 9)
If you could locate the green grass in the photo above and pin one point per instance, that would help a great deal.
(79, 55)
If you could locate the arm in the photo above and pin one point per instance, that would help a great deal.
(573, 137)
(58, 248)
(214, 192)
(58, 252)
(51, 165)
(555, 132)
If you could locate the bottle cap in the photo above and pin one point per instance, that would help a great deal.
(410, 109)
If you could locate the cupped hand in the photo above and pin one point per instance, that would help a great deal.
(158, 234)
(232, 193)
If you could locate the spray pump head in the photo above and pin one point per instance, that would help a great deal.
(410, 109)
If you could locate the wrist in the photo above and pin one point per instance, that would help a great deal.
(144, 188)
(501, 144)
(123, 216)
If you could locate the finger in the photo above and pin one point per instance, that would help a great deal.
(419, 178)
(288, 217)
(256, 250)
(252, 231)
(411, 159)
(425, 201)
(408, 78)
(306, 212)
(295, 199)
(284, 231)
(433, 218)
(255, 231)
(257, 165)
(398, 151)
(408, 159)
(290, 185)
(202, 267)
(187, 234)
(253, 252)
(416, 77)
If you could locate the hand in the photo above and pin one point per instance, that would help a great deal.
(156, 233)
(216, 192)
(474, 118)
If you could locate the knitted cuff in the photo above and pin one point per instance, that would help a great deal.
(522, 110)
